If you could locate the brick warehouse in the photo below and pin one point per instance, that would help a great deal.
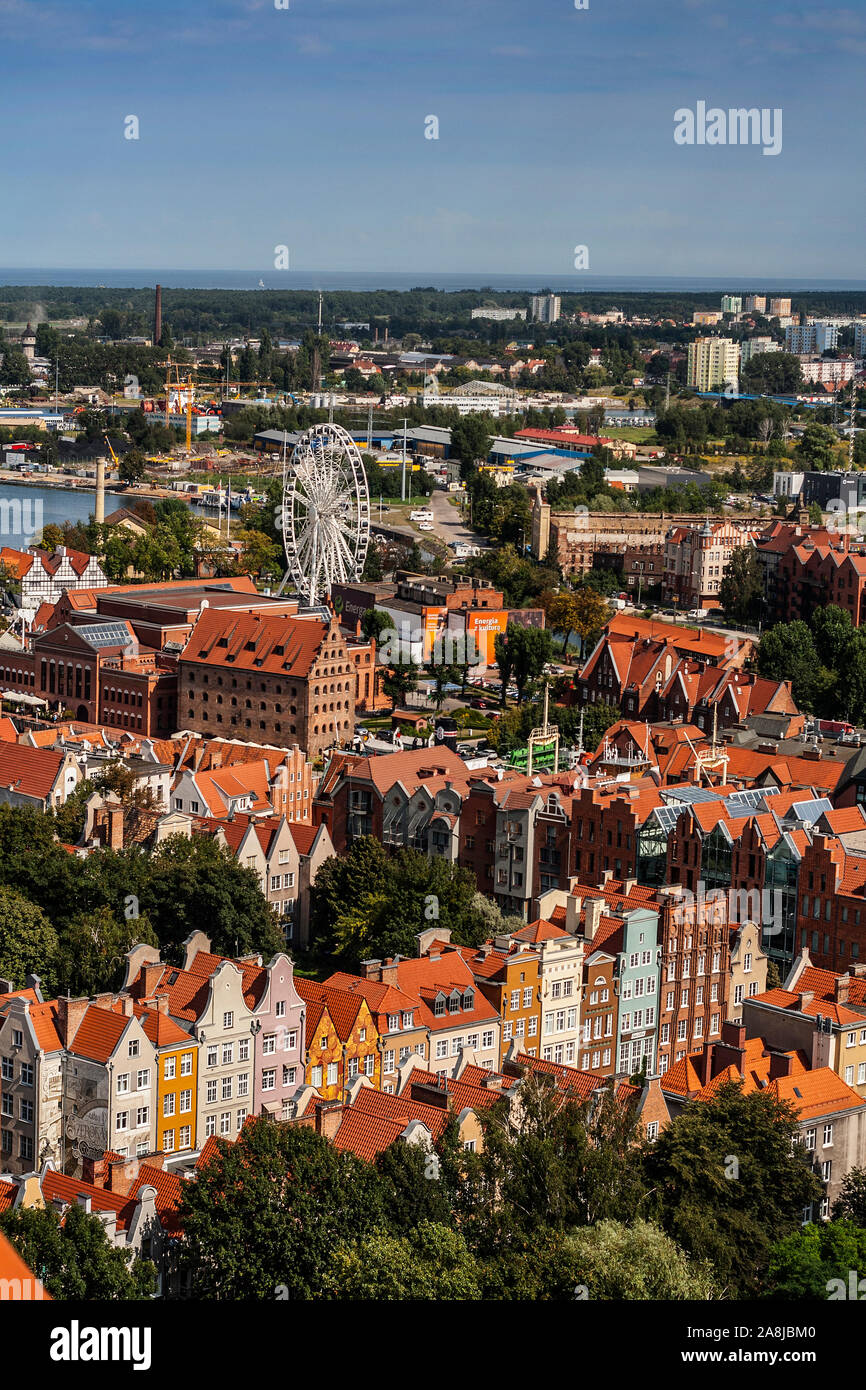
(268, 680)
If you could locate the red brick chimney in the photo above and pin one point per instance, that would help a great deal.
(70, 1012)
(329, 1116)
(115, 827)
(781, 1064)
(371, 970)
(842, 989)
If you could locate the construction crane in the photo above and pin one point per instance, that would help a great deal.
(114, 458)
(188, 388)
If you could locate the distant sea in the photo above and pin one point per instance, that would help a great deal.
(400, 280)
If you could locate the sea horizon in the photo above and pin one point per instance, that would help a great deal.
(48, 277)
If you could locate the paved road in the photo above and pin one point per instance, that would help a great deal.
(447, 520)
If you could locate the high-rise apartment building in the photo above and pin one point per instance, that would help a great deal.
(712, 362)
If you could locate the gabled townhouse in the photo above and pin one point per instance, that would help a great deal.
(109, 1083)
(37, 777)
(396, 1015)
(215, 1005)
(176, 1057)
(455, 1012)
(280, 1019)
(508, 973)
(44, 576)
(340, 1039)
(831, 1115)
(244, 1024)
(31, 1080)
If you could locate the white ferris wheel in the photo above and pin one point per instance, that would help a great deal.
(325, 516)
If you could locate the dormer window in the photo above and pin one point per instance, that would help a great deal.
(407, 1019)
(454, 1003)
(469, 999)
(439, 1006)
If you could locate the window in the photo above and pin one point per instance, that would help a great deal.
(228, 1054)
(527, 997)
(168, 1105)
(25, 1110)
(809, 1139)
(269, 1044)
(122, 1082)
(244, 1084)
(186, 1064)
(133, 1048)
(269, 1079)
(244, 1050)
(184, 1136)
(826, 1170)
(211, 1092)
(185, 1102)
(487, 1038)
(828, 1136)
(212, 1055)
(209, 1126)
(225, 1122)
(228, 1020)
(142, 1116)
(26, 1073)
(121, 1120)
(227, 1087)
(316, 1076)
(142, 1080)
(169, 1068)
(333, 1073)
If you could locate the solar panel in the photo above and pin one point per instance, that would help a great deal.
(106, 635)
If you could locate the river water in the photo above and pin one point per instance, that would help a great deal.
(25, 510)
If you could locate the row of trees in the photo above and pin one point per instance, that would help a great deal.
(565, 1202)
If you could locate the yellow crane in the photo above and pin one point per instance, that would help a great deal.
(115, 460)
(188, 388)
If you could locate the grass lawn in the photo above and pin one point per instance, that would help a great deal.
(633, 434)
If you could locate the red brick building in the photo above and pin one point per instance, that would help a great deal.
(270, 679)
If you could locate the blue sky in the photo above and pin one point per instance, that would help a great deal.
(305, 127)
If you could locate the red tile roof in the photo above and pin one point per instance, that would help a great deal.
(286, 646)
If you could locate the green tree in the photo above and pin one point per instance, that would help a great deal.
(371, 904)
(73, 1256)
(787, 652)
(615, 1261)
(850, 1205)
(93, 948)
(741, 591)
(259, 555)
(562, 612)
(597, 719)
(28, 941)
(431, 1262)
(52, 536)
(470, 443)
(522, 652)
(816, 1261)
(374, 622)
(269, 1210)
(729, 1180)
(590, 614)
(816, 516)
(818, 446)
(197, 885)
(132, 466)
